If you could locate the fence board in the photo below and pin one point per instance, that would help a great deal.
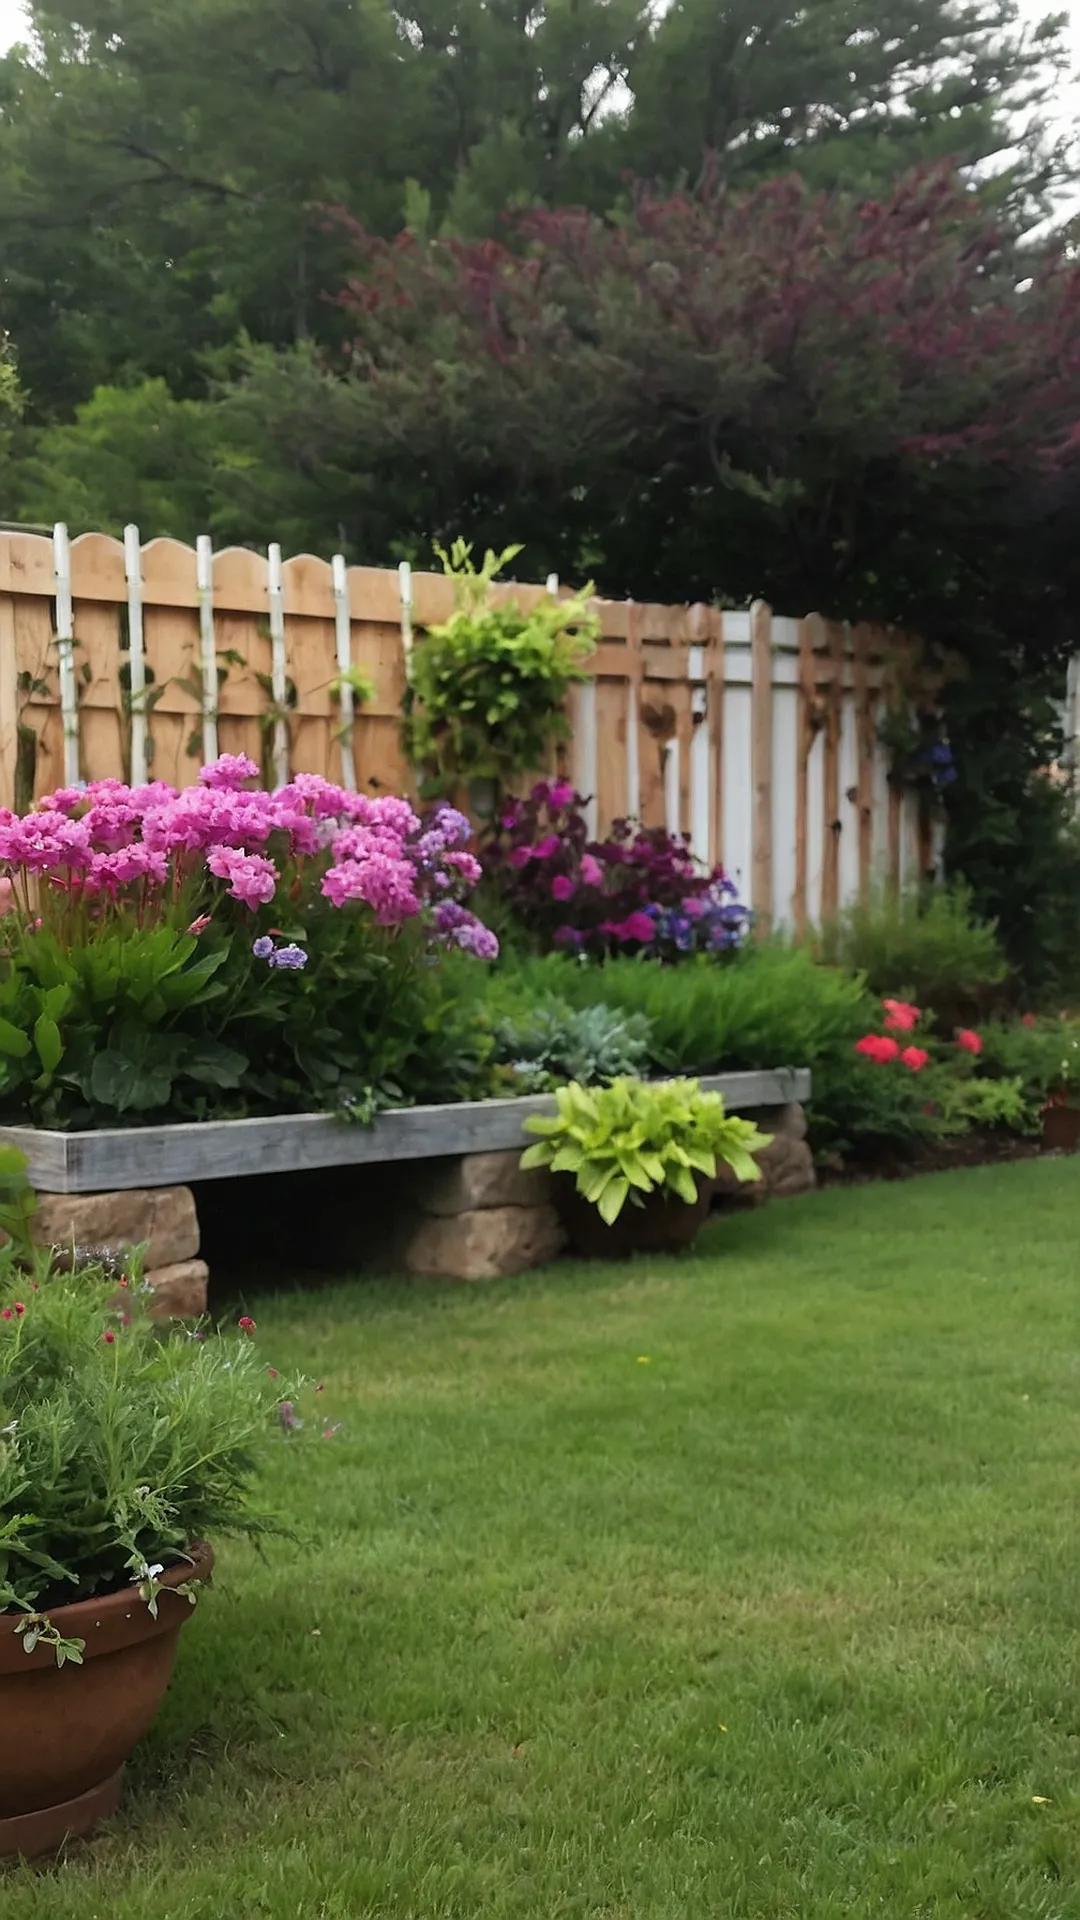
(755, 735)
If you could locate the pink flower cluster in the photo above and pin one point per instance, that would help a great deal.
(110, 843)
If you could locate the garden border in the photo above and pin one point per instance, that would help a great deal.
(112, 1158)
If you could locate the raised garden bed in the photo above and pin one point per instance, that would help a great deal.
(457, 1205)
(122, 1157)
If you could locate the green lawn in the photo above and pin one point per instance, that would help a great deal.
(742, 1584)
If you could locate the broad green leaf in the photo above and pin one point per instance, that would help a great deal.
(13, 1041)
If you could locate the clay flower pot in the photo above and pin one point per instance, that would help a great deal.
(67, 1731)
(1060, 1129)
(661, 1225)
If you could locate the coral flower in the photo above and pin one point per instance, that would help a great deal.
(901, 1016)
(916, 1058)
(877, 1046)
(970, 1042)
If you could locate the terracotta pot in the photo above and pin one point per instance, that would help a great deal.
(1060, 1129)
(660, 1226)
(68, 1730)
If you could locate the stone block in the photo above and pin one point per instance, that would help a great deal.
(484, 1243)
(477, 1180)
(161, 1218)
(788, 1166)
(179, 1289)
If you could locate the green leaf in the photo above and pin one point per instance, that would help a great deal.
(47, 1040)
(13, 1041)
(613, 1199)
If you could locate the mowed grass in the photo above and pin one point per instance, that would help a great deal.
(739, 1584)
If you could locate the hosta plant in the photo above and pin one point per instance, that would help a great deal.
(634, 1138)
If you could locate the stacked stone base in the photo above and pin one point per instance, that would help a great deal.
(162, 1220)
(482, 1218)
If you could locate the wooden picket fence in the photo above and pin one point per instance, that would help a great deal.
(757, 736)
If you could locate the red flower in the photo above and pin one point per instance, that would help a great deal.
(1028, 1020)
(246, 1324)
(108, 1336)
(6, 1314)
(877, 1046)
(969, 1041)
(902, 1016)
(19, 1308)
(915, 1057)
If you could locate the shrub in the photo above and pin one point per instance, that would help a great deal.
(486, 688)
(771, 1006)
(640, 889)
(930, 947)
(553, 1043)
(222, 950)
(122, 1441)
(628, 1140)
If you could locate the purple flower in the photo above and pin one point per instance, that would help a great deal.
(292, 958)
(546, 847)
(263, 948)
(562, 887)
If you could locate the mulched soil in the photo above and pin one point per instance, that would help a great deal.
(969, 1150)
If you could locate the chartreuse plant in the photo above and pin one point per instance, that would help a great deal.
(122, 1441)
(486, 687)
(634, 1138)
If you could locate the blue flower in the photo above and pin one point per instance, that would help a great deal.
(263, 948)
(289, 957)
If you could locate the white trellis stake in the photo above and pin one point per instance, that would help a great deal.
(136, 654)
(278, 671)
(204, 574)
(343, 638)
(65, 647)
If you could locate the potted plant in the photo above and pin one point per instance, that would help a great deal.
(635, 1161)
(124, 1447)
(1061, 1112)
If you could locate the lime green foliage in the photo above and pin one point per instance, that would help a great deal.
(553, 1042)
(121, 1442)
(630, 1139)
(486, 688)
(732, 1586)
(931, 949)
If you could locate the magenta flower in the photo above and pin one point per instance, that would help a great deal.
(592, 873)
(230, 771)
(252, 879)
(562, 887)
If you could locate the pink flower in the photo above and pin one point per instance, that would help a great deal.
(562, 887)
(902, 1016)
(520, 857)
(246, 1324)
(545, 848)
(6, 1313)
(969, 1041)
(592, 873)
(877, 1046)
(562, 794)
(20, 1309)
(252, 879)
(916, 1058)
(230, 771)
(636, 926)
(200, 925)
